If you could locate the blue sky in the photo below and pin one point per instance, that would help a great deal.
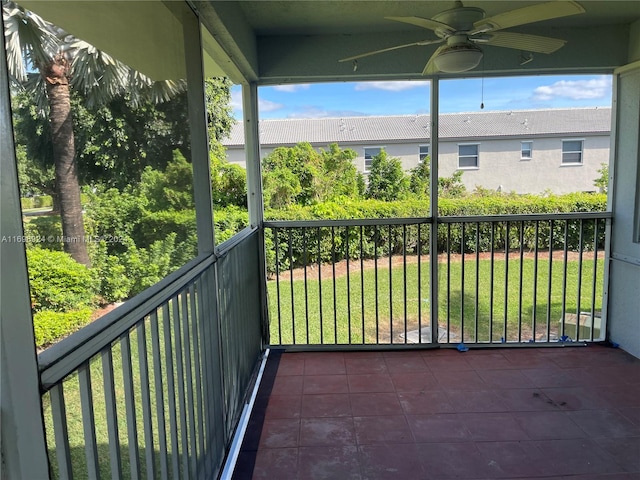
(399, 98)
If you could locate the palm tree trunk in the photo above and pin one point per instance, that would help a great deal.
(66, 172)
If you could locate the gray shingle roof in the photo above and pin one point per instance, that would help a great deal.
(400, 128)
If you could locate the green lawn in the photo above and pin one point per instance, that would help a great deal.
(371, 310)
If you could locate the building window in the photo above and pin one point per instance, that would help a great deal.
(424, 153)
(369, 153)
(468, 156)
(526, 150)
(572, 152)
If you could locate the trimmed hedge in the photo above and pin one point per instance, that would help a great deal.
(58, 282)
(298, 247)
(50, 326)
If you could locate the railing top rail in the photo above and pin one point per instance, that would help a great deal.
(524, 217)
(357, 222)
(61, 359)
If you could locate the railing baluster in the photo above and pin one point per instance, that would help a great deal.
(491, 280)
(564, 279)
(594, 284)
(320, 288)
(157, 374)
(404, 278)
(279, 302)
(293, 303)
(348, 285)
(462, 242)
(390, 288)
(550, 284)
(580, 252)
(305, 255)
(88, 421)
(520, 284)
(506, 282)
(111, 411)
(419, 286)
(362, 280)
(477, 297)
(61, 432)
(130, 406)
(147, 418)
(199, 375)
(177, 323)
(335, 302)
(448, 282)
(190, 450)
(535, 283)
(171, 388)
(375, 269)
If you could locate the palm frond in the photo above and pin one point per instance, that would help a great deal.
(30, 40)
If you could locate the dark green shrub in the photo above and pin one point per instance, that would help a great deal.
(58, 282)
(50, 326)
(46, 232)
(42, 201)
(229, 221)
(113, 215)
(114, 282)
(326, 244)
(26, 203)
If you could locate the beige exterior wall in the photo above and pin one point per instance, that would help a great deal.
(500, 164)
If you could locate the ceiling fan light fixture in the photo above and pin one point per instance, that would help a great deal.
(458, 58)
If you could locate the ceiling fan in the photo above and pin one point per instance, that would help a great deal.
(461, 29)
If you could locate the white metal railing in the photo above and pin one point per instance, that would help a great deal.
(156, 387)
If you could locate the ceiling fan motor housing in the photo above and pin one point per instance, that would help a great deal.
(461, 19)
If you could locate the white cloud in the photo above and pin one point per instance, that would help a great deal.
(391, 86)
(263, 105)
(292, 88)
(268, 105)
(236, 99)
(599, 87)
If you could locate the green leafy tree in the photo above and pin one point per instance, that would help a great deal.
(420, 181)
(420, 178)
(62, 64)
(340, 176)
(292, 175)
(602, 182)
(387, 180)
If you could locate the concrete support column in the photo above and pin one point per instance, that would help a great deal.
(254, 189)
(199, 135)
(433, 212)
(252, 153)
(22, 442)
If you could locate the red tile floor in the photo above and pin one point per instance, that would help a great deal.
(549, 413)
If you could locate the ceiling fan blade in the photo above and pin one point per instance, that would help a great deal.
(427, 23)
(531, 14)
(430, 68)
(525, 42)
(375, 52)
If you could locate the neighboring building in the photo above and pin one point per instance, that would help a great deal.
(526, 151)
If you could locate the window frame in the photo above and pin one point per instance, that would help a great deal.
(477, 156)
(522, 149)
(562, 152)
(421, 156)
(364, 166)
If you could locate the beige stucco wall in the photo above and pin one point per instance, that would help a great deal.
(500, 164)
